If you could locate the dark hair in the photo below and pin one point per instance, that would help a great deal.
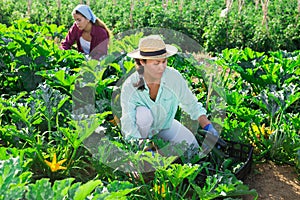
(98, 22)
(140, 69)
(77, 12)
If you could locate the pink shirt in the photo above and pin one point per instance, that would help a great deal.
(99, 42)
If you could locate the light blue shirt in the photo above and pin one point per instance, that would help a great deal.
(173, 92)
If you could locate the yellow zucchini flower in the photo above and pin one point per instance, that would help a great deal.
(55, 166)
(160, 190)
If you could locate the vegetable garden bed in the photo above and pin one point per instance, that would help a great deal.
(260, 92)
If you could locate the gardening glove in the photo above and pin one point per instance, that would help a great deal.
(210, 128)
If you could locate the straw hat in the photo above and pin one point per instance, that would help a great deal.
(152, 47)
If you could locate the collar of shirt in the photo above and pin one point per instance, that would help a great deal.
(162, 84)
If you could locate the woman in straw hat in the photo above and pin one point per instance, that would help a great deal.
(89, 33)
(150, 97)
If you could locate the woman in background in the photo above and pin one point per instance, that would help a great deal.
(89, 32)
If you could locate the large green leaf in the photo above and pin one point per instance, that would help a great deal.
(41, 189)
(84, 190)
(61, 187)
(12, 179)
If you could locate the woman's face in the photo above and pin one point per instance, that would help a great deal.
(80, 21)
(154, 68)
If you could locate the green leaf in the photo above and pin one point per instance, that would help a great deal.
(72, 190)
(65, 79)
(84, 190)
(292, 99)
(234, 98)
(243, 190)
(115, 190)
(12, 179)
(203, 193)
(21, 113)
(69, 134)
(116, 185)
(3, 154)
(41, 190)
(61, 188)
(176, 173)
(120, 194)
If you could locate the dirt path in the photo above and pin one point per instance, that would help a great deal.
(274, 182)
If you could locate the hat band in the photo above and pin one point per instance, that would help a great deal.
(153, 53)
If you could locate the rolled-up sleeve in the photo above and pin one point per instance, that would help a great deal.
(128, 104)
(70, 38)
(188, 101)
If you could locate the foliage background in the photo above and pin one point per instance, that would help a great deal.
(257, 57)
(259, 25)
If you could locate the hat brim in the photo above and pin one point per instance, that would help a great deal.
(171, 50)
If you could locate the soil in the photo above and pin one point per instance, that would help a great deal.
(273, 182)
